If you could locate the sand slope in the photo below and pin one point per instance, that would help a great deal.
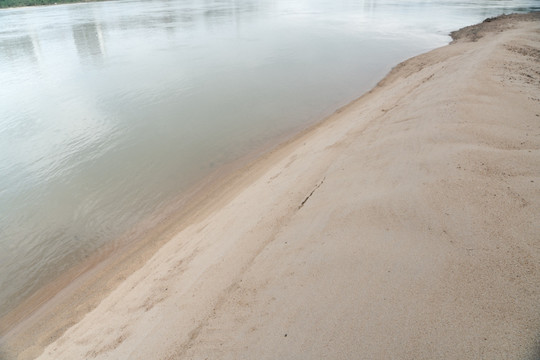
(406, 226)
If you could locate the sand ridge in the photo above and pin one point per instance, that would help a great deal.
(404, 226)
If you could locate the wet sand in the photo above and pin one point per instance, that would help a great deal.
(403, 226)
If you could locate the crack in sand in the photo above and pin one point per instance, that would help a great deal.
(307, 198)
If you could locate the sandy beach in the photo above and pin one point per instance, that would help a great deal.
(404, 226)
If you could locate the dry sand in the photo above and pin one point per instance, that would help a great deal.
(405, 226)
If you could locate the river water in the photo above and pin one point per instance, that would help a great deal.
(109, 111)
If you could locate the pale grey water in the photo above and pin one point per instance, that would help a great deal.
(110, 110)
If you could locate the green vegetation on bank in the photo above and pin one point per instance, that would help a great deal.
(18, 3)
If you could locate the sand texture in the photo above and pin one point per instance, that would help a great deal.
(405, 226)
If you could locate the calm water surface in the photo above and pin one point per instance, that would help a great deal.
(110, 110)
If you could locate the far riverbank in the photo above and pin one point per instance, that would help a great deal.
(10, 4)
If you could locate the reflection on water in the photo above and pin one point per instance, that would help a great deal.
(88, 39)
(22, 48)
(110, 110)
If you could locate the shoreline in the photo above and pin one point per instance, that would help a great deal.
(242, 183)
(93, 279)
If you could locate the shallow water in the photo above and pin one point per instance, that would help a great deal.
(111, 110)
